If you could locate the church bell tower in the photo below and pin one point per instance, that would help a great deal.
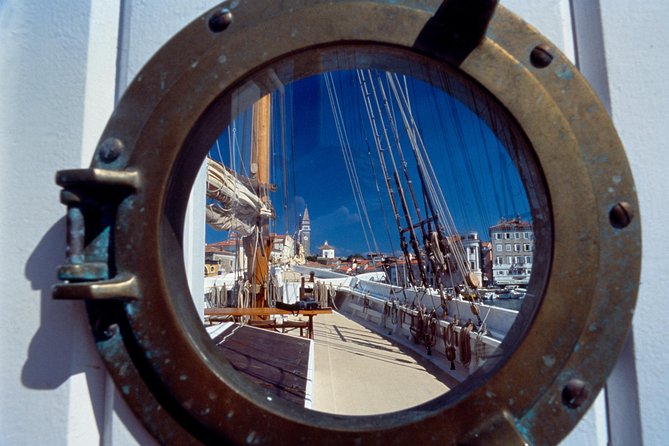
(304, 234)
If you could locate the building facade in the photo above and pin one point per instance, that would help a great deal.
(326, 252)
(283, 249)
(472, 246)
(512, 252)
(224, 257)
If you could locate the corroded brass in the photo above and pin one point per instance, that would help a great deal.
(149, 334)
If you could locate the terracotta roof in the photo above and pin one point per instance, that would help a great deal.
(326, 246)
(516, 223)
(224, 243)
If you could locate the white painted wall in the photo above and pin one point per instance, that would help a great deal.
(58, 84)
(635, 46)
(52, 382)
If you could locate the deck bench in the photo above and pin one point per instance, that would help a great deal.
(267, 311)
(292, 325)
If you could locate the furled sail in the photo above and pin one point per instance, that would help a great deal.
(237, 207)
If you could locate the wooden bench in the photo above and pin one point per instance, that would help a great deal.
(267, 311)
(292, 325)
(269, 324)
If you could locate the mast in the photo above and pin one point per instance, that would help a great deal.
(257, 245)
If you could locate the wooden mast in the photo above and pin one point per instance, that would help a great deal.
(258, 247)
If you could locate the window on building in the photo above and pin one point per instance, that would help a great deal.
(498, 235)
(519, 260)
(508, 247)
(498, 247)
(516, 235)
(516, 247)
(498, 260)
(526, 247)
(528, 259)
(508, 260)
(507, 235)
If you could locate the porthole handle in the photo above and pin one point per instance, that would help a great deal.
(92, 197)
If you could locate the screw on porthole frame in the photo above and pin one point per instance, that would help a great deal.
(621, 215)
(541, 56)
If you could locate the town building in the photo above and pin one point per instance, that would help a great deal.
(282, 249)
(223, 257)
(326, 253)
(397, 270)
(512, 252)
(472, 246)
(304, 232)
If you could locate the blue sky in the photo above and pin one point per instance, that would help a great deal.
(478, 178)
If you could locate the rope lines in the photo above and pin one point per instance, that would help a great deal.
(358, 194)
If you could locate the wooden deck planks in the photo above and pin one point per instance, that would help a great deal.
(276, 362)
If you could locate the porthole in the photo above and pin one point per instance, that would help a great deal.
(133, 198)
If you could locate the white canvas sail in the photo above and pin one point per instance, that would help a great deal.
(237, 207)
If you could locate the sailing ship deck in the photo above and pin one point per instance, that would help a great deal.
(355, 370)
(359, 372)
(282, 368)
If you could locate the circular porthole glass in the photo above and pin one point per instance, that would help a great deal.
(400, 198)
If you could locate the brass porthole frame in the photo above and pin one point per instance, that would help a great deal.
(124, 236)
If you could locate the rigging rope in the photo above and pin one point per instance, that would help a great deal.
(358, 196)
(398, 183)
(398, 146)
(384, 168)
(429, 177)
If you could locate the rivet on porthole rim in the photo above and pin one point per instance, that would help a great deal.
(220, 20)
(111, 149)
(575, 393)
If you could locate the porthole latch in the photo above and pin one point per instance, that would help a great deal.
(92, 197)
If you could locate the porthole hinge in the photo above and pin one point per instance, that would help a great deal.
(92, 197)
